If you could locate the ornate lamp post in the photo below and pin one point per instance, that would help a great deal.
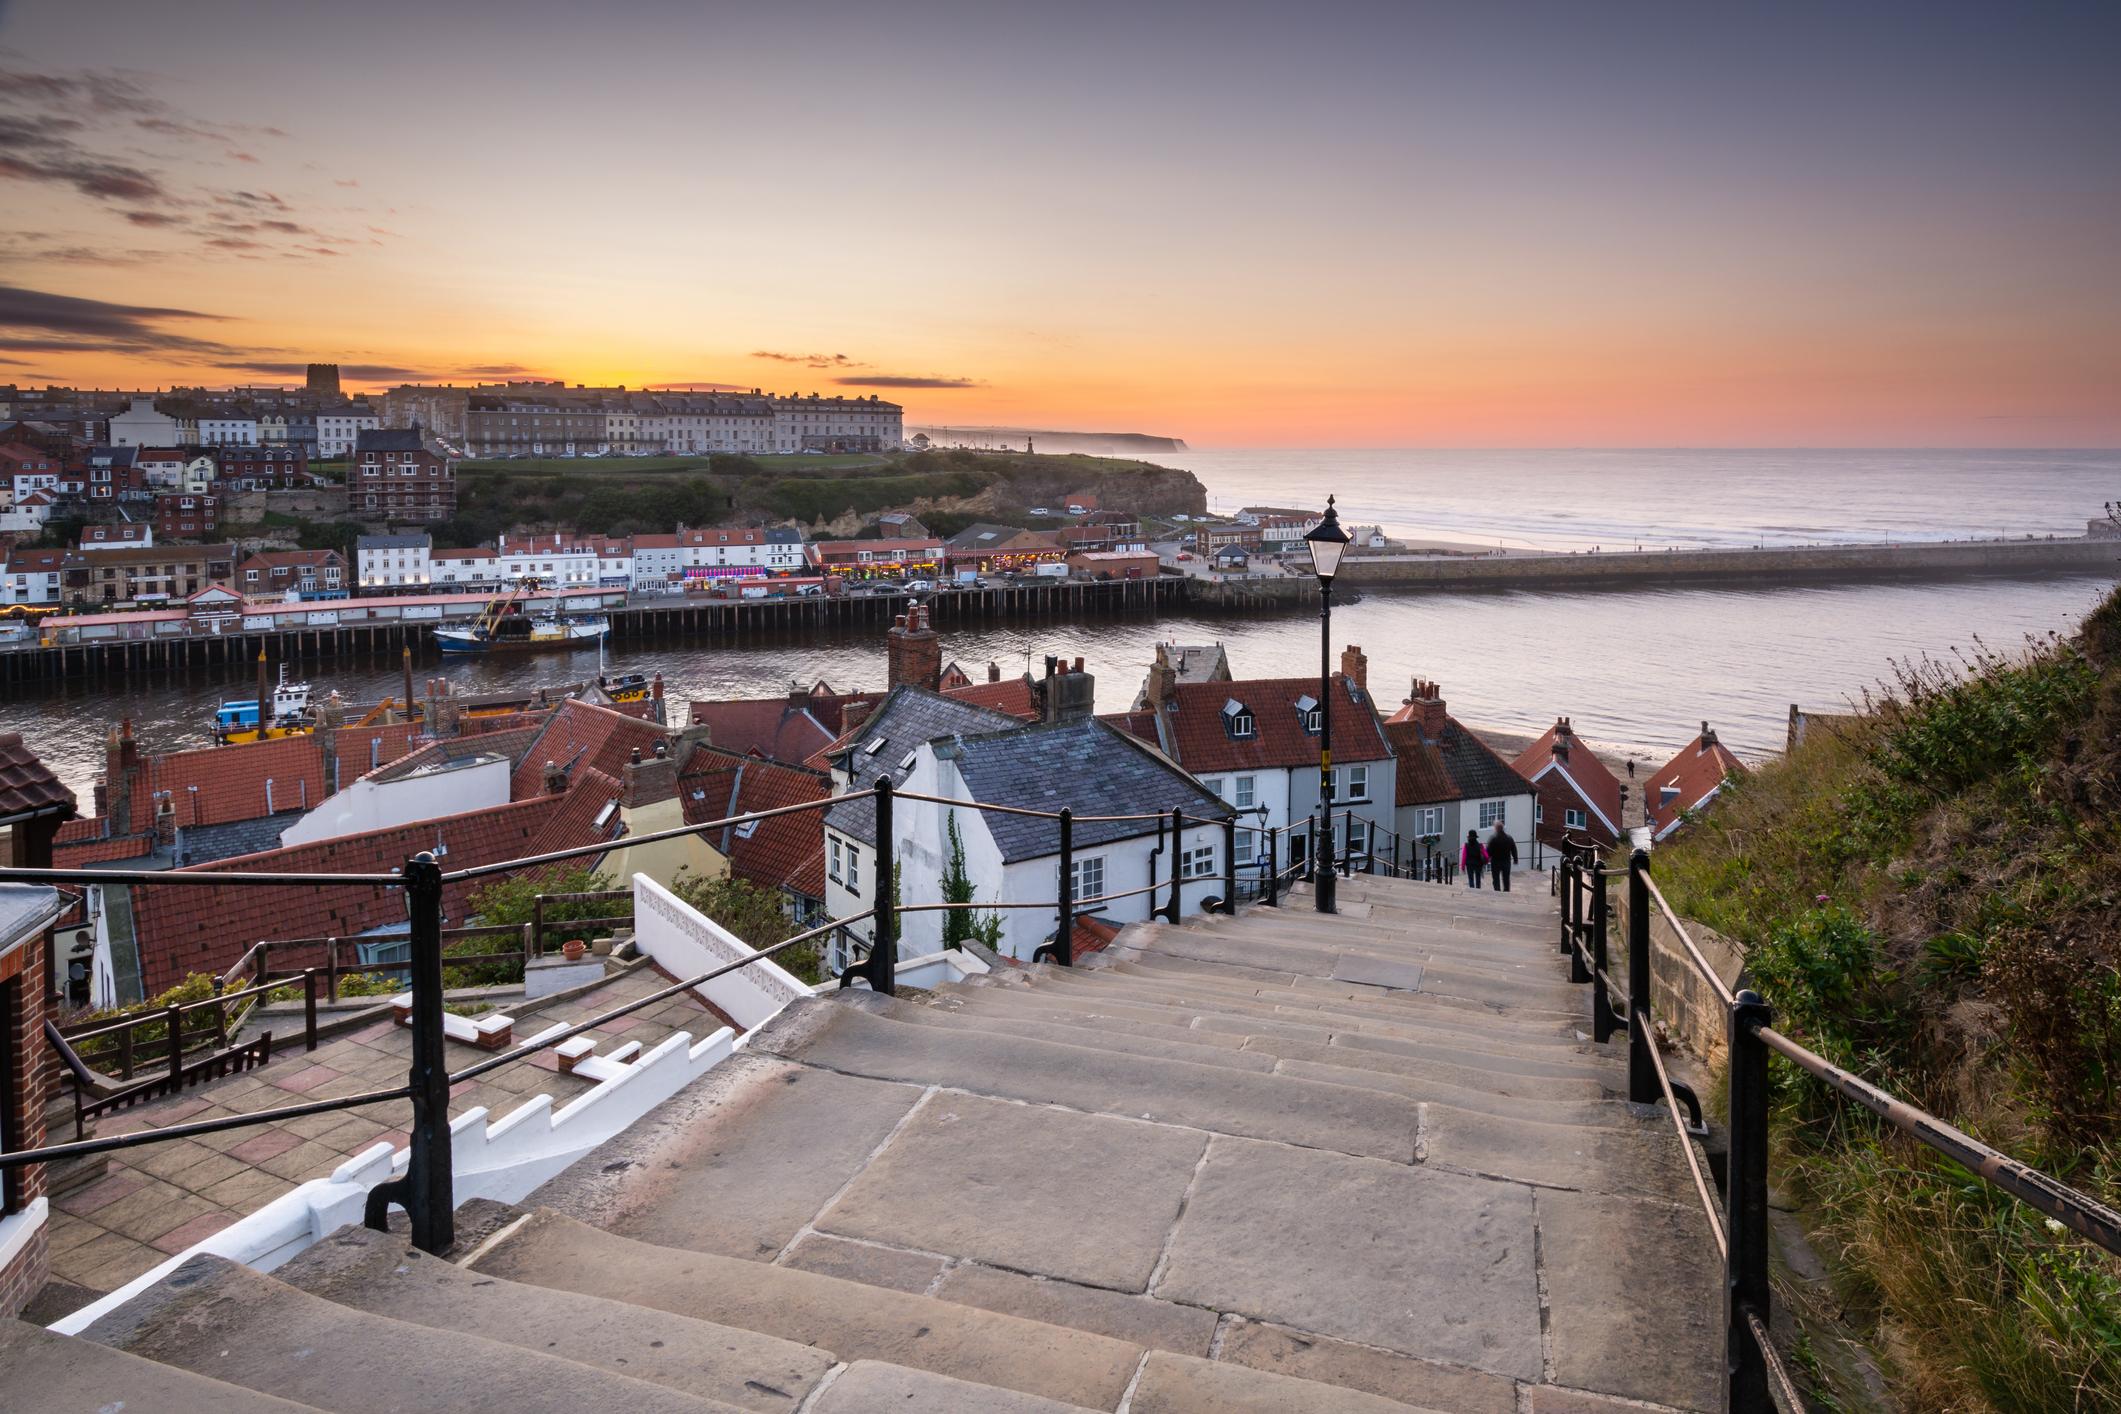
(1327, 542)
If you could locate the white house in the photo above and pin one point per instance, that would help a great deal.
(475, 567)
(1256, 744)
(228, 431)
(32, 576)
(1450, 781)
(142, 426)
(740, 547)
(426, 785)
(553, 559)
(658, 563)
(339, 429)
(1086, 766)
(393, 562)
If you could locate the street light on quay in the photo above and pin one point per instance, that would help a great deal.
(1327, 542)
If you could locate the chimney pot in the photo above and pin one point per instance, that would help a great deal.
(555, 779)
(994, 671)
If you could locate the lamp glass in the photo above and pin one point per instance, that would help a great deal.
(1327, 542)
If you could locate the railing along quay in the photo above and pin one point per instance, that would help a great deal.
(1756, 1379)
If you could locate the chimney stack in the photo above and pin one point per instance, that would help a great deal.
(1068, 694)
(555, 779)
(1427, 699)
(913, 651)
(647, 782)
(1355, 666)
(854, 714)
(1562, 735)
(1163, 679)
(121, 770)
(1708, 740)
(994, 671)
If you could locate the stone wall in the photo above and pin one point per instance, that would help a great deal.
(1691, 1012)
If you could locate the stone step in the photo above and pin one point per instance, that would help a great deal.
(385, 1275)
(1354, 1013)
(1235, 1015)
(1178, 1384)
(45, 1373)
(843, 1037)
(1585, 1113)
(854, 1321)
(1165, 1042)
(220, 1319)
(1454, 930)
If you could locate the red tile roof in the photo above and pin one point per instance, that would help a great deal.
(1017, 696)
(778, 728)
(1139, 724)
(787, 851)
(1593, 784)
(580, 736)
(185, 929)
(574, 822)
(27, 786)
(1688, 781)
(1198, 740)
(79, 854)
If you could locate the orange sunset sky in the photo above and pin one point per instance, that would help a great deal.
(1336, 225)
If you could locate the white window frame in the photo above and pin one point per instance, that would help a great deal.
(1197, 862)
(854, 870)
(1430, 818)
(1493, 812)
(1089, 878)
(1358, 783)
(1574, 819)
(1244, 791)
(832, 858)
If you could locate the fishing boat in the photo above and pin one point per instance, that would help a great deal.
(287, 713)
(507, 624)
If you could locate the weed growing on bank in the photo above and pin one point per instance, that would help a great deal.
(1931, 894)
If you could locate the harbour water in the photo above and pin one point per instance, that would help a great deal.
(1636, 668)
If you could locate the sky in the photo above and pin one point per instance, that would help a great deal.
(1334, 224)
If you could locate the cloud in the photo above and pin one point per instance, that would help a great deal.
(698, 387)
(345, 182)
(87, 325)
(898, 380)
(496, 370)
(242, 156)
(154, 218)
(809, 360)
(358, 372)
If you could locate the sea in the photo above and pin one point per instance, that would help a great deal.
(1637, 670)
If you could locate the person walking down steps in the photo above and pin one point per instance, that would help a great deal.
(1502, 853)
(1471, 858)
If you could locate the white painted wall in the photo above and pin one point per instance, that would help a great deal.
(375, 805)
(685, 942)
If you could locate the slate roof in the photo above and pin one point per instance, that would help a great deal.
(27, 786)
(1089, 767)
(510, 742)
(787, 851)
(1191, 726)
(779, 728)
(1018, 696)
(1688, 781)
(1456, 766)
(388, 439)
(208, 843)
(909, 716)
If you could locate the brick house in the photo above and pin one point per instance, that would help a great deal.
(268, 468)
(146, 573)
(1577, 794)
(1450, 781)
(395, 477)
(33, 806)
(185, 515)
(314, 574)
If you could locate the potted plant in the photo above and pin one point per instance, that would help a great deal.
(573, 949)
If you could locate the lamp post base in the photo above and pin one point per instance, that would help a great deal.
(1323, 874)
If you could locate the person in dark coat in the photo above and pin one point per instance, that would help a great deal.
(1502, 853)
(1471, 858)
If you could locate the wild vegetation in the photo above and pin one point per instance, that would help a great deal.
(1932, 895)
(623, 496)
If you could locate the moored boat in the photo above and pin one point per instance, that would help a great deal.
(507, 623)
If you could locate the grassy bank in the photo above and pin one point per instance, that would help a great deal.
(1933, 896)
(617, 496)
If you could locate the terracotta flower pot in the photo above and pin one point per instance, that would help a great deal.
(573, 949)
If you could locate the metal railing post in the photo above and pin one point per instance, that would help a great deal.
(536, 936)
(1311, 855)
(1602, 1021)
(1230, 864)
(1564, 877)
(1580, 906)
(1064, 926)
(1178, 862)
(1642, 1071)
(883, 953)
(1745, 1278)
(331, 970)
(176, 1043)
(1273, 869)
(426, 1192)
(309, 1008)
(1347, 842)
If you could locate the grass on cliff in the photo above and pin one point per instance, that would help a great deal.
(1933, 896)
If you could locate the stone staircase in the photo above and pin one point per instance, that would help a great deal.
(1277, 1162)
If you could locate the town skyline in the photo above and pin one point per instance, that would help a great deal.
(1372, 226)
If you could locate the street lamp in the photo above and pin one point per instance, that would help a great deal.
(1327, 542)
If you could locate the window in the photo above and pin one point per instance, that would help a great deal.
(1539, 812)
(1358, 783)
(1198, 862)
(1089, 878)
(832, 859)
(1242, 798)
(1429, 820)
(1491, 813)
(854, 870)
(1574, 819)
(1237, 719)
(1215, 788)
(1247, 845)
(1358, 832)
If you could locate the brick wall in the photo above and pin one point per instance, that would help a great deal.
(1556, 798)
(33, 1077)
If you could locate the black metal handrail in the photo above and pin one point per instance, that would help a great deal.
(425, 1191)
(1756, 1377)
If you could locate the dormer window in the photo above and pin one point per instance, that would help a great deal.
(1237, 720)
(1307, 713)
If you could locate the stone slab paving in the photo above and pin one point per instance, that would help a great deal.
(159, 1199)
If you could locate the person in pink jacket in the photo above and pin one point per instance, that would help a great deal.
(1471, 858)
